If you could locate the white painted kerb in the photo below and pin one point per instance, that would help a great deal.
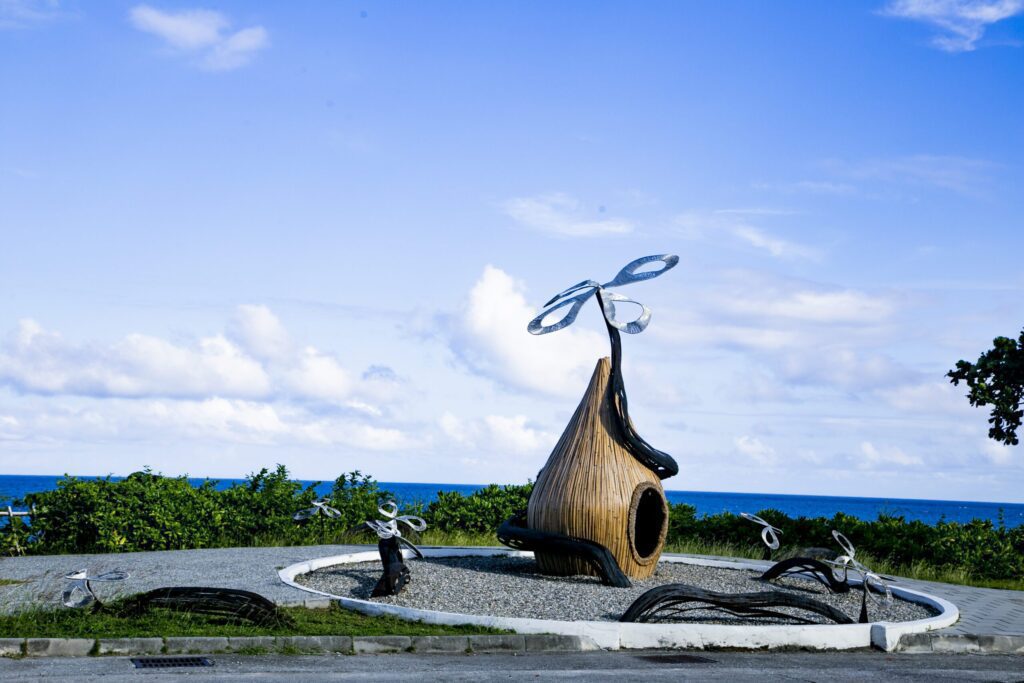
(613, 635)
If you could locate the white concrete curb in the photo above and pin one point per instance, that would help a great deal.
(612, 635)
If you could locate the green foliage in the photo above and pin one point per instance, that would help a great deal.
(481, 511)
(985, 550)
(80, 623)
(997, 379)
(146, 511)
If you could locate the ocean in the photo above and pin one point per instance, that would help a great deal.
(13, 487)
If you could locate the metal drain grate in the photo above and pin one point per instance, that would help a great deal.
(675, 659)
(170, 662)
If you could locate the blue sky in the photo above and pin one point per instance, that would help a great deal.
(235, 234)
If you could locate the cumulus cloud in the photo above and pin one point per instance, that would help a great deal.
(508, 434)
(255, 360)
(962, 22)
(564, 216)
(203, 35)
(491, 339)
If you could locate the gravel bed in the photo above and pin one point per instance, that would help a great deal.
(513, 587)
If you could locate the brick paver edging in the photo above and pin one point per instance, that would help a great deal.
(348, 645)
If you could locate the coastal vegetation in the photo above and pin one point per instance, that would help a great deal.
(147, 511)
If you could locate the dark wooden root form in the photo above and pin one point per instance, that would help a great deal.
(807, 566)
(515, 534)
(672, 602)
(227, 603)
(396, 574)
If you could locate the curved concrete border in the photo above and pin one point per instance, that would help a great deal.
(613, 635)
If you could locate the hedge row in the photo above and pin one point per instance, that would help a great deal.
(146, 511)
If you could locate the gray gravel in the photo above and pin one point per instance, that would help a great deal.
(512, 587)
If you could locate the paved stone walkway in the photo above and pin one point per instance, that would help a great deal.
(990, 619)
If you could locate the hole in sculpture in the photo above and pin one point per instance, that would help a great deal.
(648, 522)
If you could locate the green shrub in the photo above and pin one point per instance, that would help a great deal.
(480, 511)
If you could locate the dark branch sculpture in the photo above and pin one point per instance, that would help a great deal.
(229, 603)
(807, 566)
(515, 534)
(672, 602)
(389, 545)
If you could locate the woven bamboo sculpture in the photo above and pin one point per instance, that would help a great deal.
(592, 487)
(600, 493)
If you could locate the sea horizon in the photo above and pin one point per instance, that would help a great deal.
(16, 486)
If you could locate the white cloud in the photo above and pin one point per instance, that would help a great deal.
(562, 215)
(203, 35)
(256, 361)
(260, 332)
(22, 13)
(873, 457)
(842, 306)
(997, 453)
(755, 449)
(516, 435)
(962, 175)
(725, 226)
(41, 362)
(963, 22)
(501, 433)
(492, 340)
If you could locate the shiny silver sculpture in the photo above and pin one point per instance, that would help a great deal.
(389, 528)
(578, 294)
(872, 582)
(79, 593)
(768, 532)
(320, 507)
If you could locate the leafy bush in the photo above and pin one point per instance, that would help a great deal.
(146, 511)
(481, 511)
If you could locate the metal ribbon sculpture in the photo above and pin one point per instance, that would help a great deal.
(869, 579)
(662, 464)
(79, 593)
(768, 532)
(396, 574)
(673, 601)
(320, 507)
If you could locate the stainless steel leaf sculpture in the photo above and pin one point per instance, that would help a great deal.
(574, 297)
(768, 532)
(78, 592)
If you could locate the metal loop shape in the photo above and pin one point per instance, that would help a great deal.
(389, 529)
(577, 295)
(79, 593)
(636, 326)
(768, 532)
(320, 507)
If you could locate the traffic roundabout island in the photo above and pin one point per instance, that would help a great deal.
(502, 588)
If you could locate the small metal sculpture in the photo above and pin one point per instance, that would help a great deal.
(673, 601)
(768, 533)
(320, 507)
(827, 574)
(870, 581)
(396, 574)
(79, 592)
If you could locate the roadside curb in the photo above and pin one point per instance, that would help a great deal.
(916, 643)
(345, 645)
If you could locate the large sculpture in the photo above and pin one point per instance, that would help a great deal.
(598, 506)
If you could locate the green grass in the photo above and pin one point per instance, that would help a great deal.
(335, 621)
(11, 582)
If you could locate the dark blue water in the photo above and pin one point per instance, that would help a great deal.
(707, 502)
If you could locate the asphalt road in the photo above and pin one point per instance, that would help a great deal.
(591, 666)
